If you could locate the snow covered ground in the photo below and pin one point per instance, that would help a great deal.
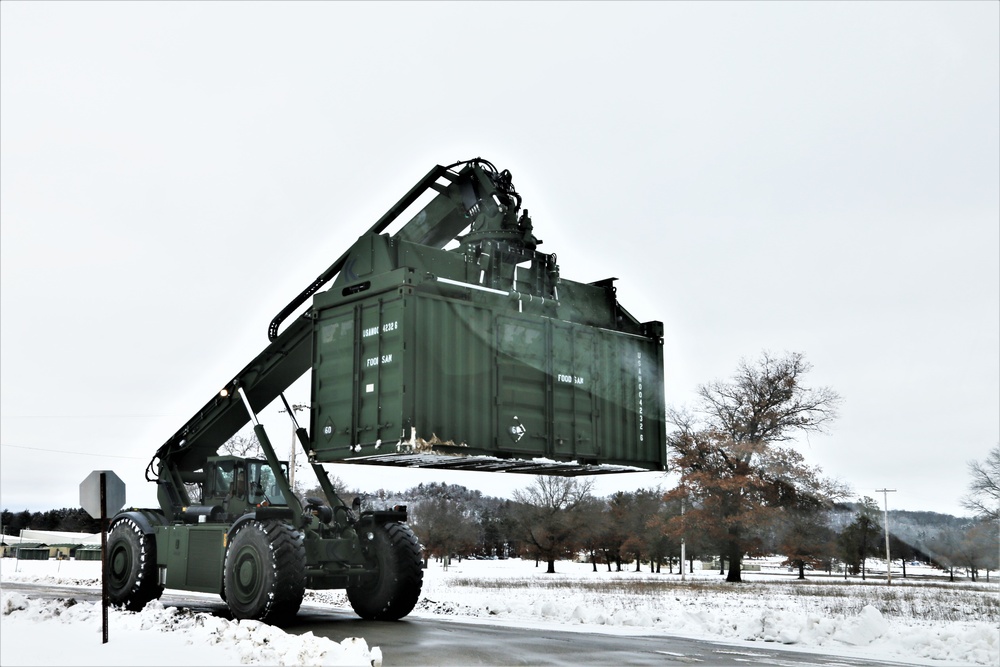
(919, 622)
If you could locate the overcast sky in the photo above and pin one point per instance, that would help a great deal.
(810, 177)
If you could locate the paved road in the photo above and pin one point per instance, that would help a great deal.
(421, 641)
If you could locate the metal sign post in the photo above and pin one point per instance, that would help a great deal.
(100, 490)
(104, 558)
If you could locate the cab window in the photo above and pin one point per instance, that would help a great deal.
(263, 485)
(221, 482)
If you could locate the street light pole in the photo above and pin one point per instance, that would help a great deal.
(885, 504)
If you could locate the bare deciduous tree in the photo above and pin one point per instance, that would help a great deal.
(765, 402)
(247, 447)
(984, 489)
(552, 516)
(445, 527)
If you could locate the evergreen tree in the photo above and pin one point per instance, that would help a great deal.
(860, 539)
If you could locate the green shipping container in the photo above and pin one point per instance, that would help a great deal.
(430, 370)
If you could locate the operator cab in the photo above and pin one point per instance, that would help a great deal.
(239, 484)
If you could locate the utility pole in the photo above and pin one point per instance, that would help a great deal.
(298, 407)
(885, 504)
(682, 540)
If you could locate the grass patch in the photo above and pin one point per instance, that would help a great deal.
(930, 601)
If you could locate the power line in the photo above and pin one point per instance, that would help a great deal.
(84, 416)
(64, 451)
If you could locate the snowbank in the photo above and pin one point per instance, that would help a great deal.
(158, 635)
(513, 593)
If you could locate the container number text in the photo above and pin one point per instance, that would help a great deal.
(385, 328)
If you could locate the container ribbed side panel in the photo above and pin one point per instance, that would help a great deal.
(625, 401)
(453, 378)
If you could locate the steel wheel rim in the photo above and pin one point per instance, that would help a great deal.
(119, 565)
(247, 570)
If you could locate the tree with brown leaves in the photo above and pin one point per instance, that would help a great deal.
(737, 477)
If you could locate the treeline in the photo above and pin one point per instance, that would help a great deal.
(558, 518)
(67, 519)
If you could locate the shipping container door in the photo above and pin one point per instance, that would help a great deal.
(333, 381)
(573, 354)
(380, 372)
(522, 386)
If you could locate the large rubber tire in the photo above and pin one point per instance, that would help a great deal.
(265, 572)
(392, 594)
(131, 565)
